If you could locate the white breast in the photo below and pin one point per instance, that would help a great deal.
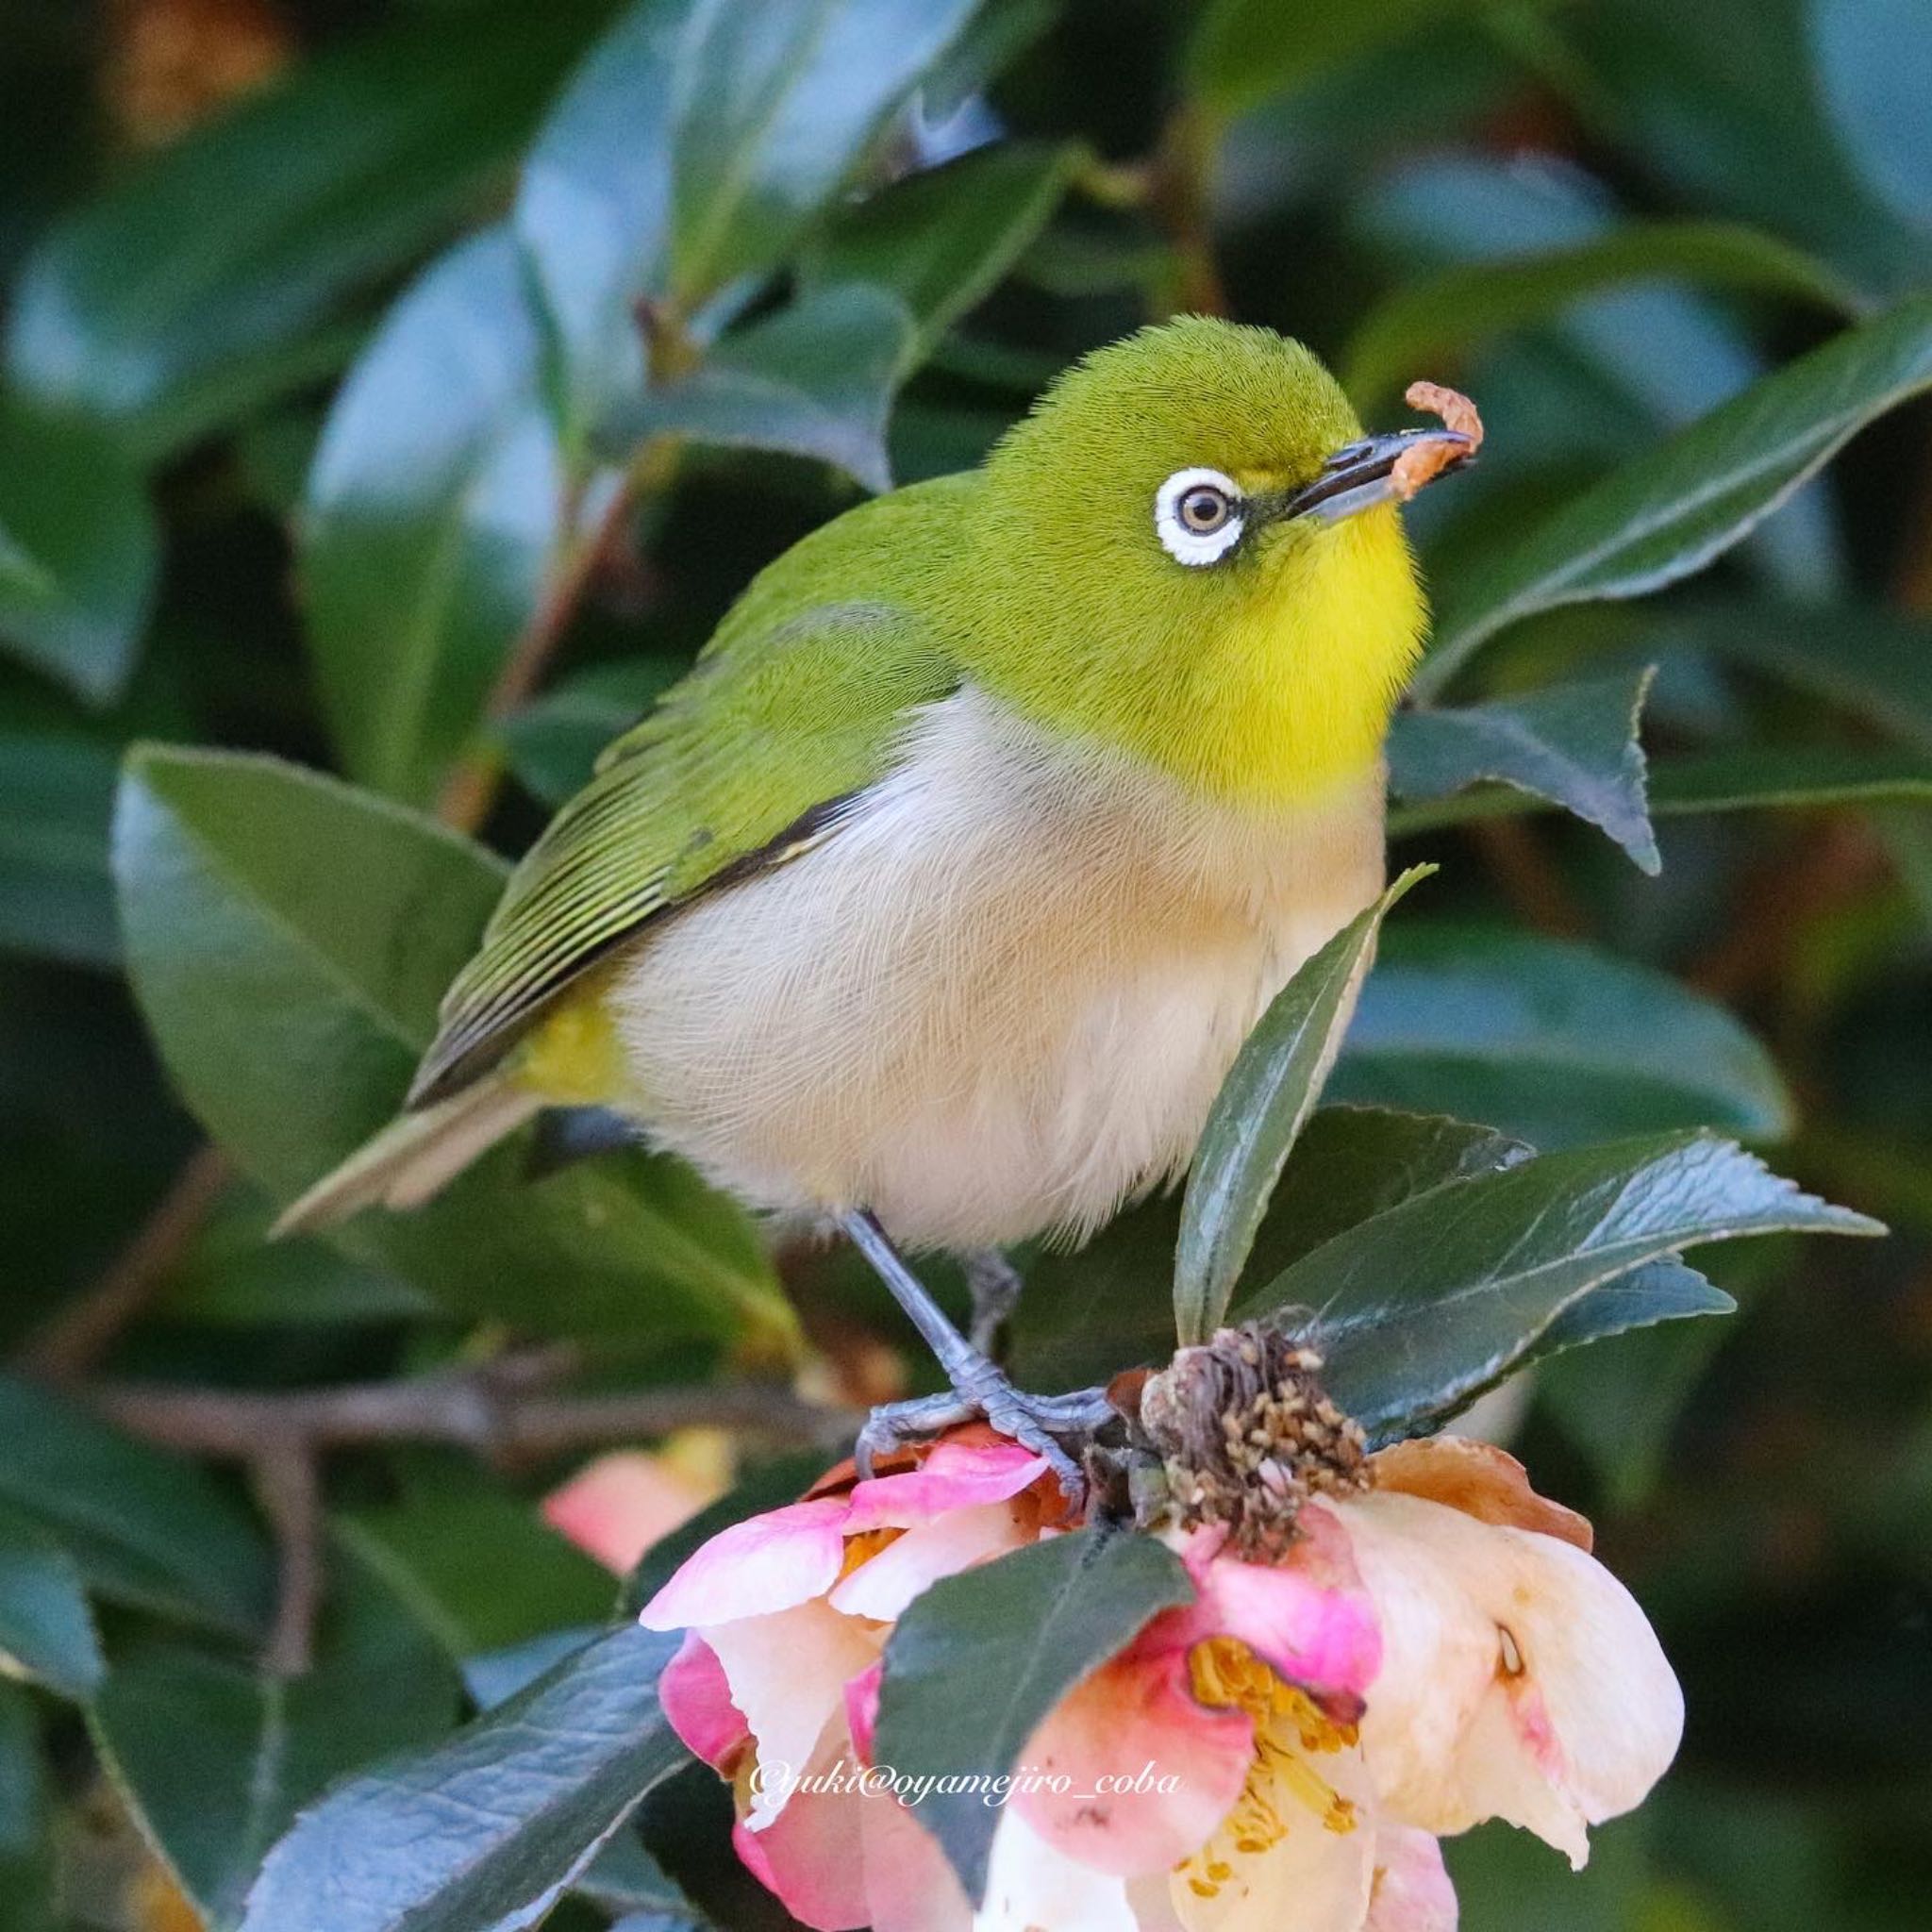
(999, 1000)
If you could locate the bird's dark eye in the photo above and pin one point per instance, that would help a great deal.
(1204, 510)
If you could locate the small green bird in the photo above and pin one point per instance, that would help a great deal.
(936, 901)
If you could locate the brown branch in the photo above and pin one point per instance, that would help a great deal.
(72, 1341)
(499, 1411)
(1178, 194)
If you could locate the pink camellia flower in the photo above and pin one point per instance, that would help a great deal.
(619, 1504)
(1284, 1752)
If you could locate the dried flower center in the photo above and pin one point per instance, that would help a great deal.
(1290, 1730)
(1247, 1434)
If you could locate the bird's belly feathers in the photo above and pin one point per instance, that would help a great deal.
(999, 999)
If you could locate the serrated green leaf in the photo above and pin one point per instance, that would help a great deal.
(1552, 1041)
(940, 239)
(86, 548)
(1269, 1092)
(1087, 1315)
(141, 1526)
(1647, 1297)
(1875, 72)
(1351, 1163)
(1422, 1306)
(57, 901)
(196, 287)
(814, 380)
(1024, 1630)
(1682, 503)
(217, 1756)
(1574, 744)
(46, 1630)
(289, 938)
(434, 512)
(490, 1829)
(1452, 313)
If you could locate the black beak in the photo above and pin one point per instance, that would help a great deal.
(1358, 475)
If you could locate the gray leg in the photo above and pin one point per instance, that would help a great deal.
(1035, 1422)
(995, 1285)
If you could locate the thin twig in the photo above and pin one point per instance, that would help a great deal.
(289, 1486)
(67, 1346)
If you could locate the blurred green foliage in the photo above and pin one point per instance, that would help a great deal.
(412, 417)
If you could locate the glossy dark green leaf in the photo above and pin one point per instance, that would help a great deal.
(693, 146)
(1431, 1302)
(1269, 1092)
(814, 380)
(479, 1564)
(1024, 1630)
(434, 509)
(27, 1872)
(1674, 508)
(553, 743)
(57, 901)
(1245, 50)
(940, 239)
(197, 286)
(141, 1526)
(1769, 776)
(1549, 1041)
(1874, 72)
(46, 1630)
(1574, 744)
(1428, 323)
(1875, 663)
(489, 1829)
(289, 938)
(218, 1755)
(83, 551)
(775, 101)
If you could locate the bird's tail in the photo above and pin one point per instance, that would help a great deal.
(417, 1154)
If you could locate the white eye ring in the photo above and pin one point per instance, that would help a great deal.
(1186, 534)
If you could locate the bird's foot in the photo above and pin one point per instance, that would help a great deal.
(994, 1285)
(1046, 1424)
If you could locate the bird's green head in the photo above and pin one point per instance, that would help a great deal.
(1190, 550)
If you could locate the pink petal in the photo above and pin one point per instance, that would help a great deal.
(1479, 1479)
(1152, 1772)
(810, 1854)
(696, 1700)
(863, 1707)
(616, 1507)
(909, 1885)
(1308, 1617)
(788, 1675)
(953, 1476)
(1412, 1892)
(883, 1585)
(766, 1564)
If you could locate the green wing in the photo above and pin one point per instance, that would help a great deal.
(795, 705)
